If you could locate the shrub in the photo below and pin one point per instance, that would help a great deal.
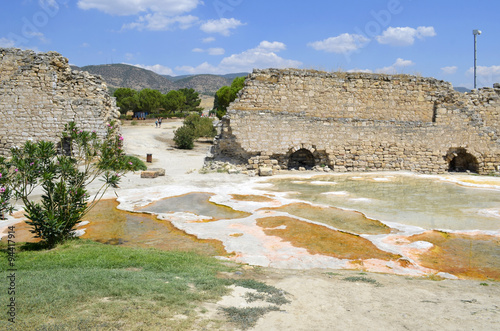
(137, 163)
(202, 126)
(63, 178)
(184, 137)
(5, 191)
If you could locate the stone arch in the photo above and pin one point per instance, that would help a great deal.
(301, 158)
(459, 160)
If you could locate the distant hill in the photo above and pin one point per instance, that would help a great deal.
(461, 89)
(124, 75)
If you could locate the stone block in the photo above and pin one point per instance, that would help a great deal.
(160, 171)
(265, 171)
(149, 174)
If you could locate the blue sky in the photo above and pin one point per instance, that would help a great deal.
(178, 37)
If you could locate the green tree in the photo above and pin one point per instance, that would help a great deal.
(63, 178)
(193, 100)
(173, 101)
(149, 100)
(125, 99)
(201, 126)
(227, 94)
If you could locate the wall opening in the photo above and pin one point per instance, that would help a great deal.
(461, 161)
(301, 158)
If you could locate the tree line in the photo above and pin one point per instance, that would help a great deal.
(154, 102)
(227, 94)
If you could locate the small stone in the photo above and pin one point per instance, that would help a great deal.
(149, 174)
(265, 171)
(160, 171)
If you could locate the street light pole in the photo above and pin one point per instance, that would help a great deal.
(475, 33)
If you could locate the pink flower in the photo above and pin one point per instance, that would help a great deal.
(32, 163)
(130, 163)
(121, 138)
(0, 175)
(16, 170)
(2, 189)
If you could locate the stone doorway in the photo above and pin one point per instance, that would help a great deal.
(301, 158)
(461, 161)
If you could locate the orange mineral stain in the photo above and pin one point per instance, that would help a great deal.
(113, 226)
(350, 221)
(318, 239)
(251, 198)
(462, 255)
(22, 233)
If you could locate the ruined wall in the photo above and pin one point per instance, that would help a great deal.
(39, 94)
(361, 122)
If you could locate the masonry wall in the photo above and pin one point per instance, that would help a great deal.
(360, 122)
(39, 94)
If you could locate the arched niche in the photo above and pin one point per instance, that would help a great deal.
(301, 158)
(459, 160)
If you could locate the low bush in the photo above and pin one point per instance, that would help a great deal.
(184, 137)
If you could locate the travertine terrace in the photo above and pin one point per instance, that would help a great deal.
(360, 122)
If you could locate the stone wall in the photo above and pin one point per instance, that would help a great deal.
(39, 94)
(360, 122)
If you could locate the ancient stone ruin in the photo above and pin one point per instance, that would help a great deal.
(360, 122)
(39, 94)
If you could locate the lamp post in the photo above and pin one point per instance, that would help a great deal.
(475, 33)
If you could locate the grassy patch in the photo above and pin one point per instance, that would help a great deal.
(361, 279)
(246, 317)
(87, 285)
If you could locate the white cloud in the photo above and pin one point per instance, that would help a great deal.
(208, 40)
(85, 45)
(158, 68)
(486, 76)
(222, 26)
(129, 56)
(133, 7)
(449, 70)
(397, 67)
(262, 56)
(204, 68)
(366, 71)
(210, 51)
(160, 22)
(341, 44)
(6, 43)
(266, 46)
(216, 51)
(405, 36)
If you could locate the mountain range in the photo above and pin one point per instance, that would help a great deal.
(124, 75)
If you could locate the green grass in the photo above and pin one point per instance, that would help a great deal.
(361, 279)
(86, 285)
(247, 317)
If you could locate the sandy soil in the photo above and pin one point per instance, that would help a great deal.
(323, 299)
